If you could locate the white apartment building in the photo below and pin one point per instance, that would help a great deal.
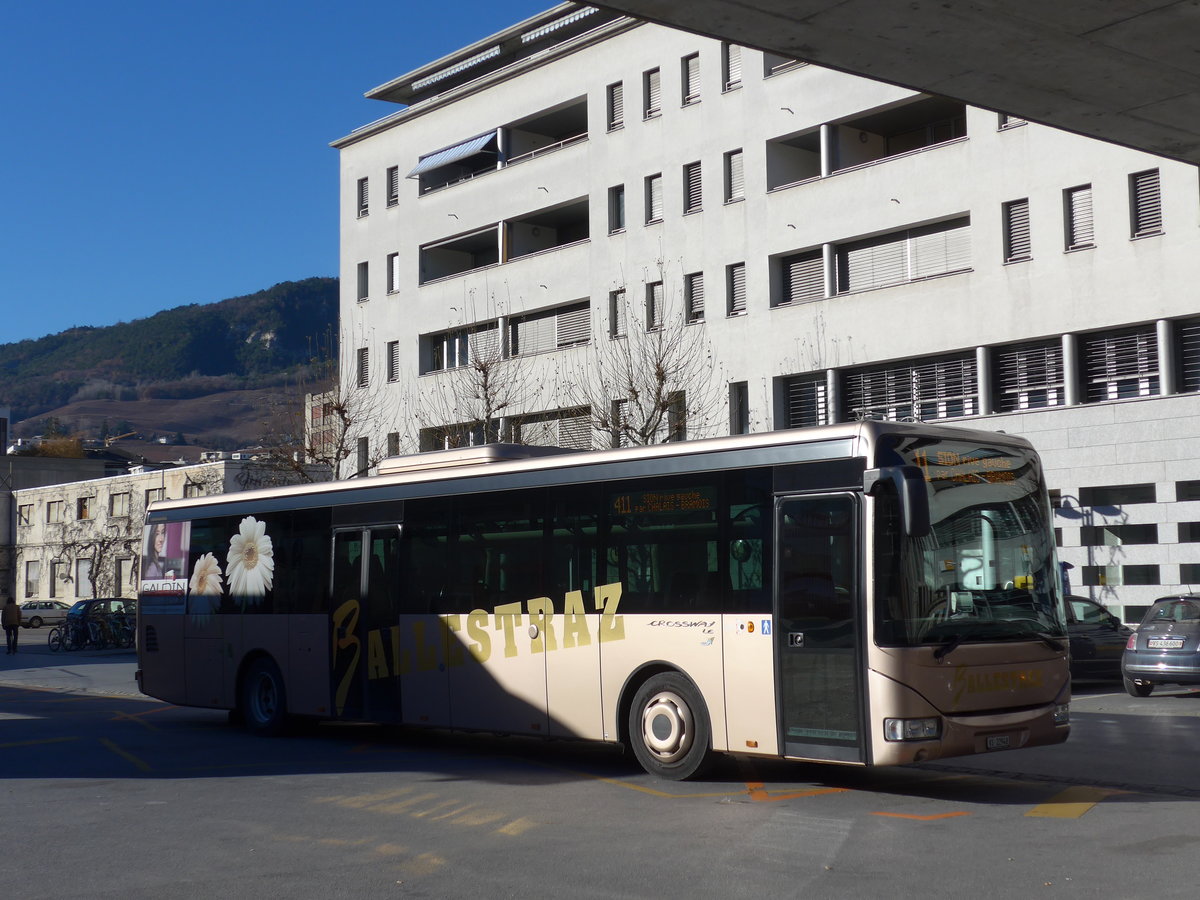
(848, 247)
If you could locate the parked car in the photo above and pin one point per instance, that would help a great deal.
(1097, 638)
(102, 606)
(1166, 647)
(36, 613)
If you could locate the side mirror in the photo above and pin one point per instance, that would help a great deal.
(909, 485)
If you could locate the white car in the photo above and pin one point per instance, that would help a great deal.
(35, 613)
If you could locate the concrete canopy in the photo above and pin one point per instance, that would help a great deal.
(1126, 71)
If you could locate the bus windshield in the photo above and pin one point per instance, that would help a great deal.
(987, 570)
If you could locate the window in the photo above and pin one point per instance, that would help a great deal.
(83, 578)
(620, 422)
(654, 199)
(1029, 376)
(154, 494)
(693, 296)
(777, 63)
(616, 106)
(617, 314)
(731, 66)
(118, 504)
(193, 489)
(25, 514)
(654, 306)
(1145, 204)
(689, 77)
(363, 456)
(57, 574)
(362, 282)
(552, 329)
(1117, 535)
(393, 361)
(904, 256)
(1121, 364)
(803, 277)
(735, 289)
(393, 273)
(33, 575)
(83, 507)
(735, 181)
(54, 512)
(940, 388)
(739, 407)
(393, 185)
(1189, 573)
(125, 576)
(363, 205)
(1117, 495)
(364, 367)
(1116, 576)
(1007, 121)
(393, 443)
(805, 400)
(1187, 344)
(1187, 490)
(1077, 214)
(452, 349)
(616, 209)
(693, 195)
(651, 94)
(1016, 230)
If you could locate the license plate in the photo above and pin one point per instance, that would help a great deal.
(998, 742)
(1164, 643)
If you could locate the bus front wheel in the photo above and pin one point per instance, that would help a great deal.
(669, 729)
(264, 699)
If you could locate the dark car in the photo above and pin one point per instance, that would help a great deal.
(1097, 639)
(1166, 647)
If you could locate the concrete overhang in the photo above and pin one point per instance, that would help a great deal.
(1126, 71)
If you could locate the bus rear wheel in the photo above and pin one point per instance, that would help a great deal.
(263, 698)
(669, 728)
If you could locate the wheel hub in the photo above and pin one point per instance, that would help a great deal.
(667, 728)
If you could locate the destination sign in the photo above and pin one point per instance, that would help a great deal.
(964, 468)
(702, 499)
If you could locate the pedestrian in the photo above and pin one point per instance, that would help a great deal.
(10, 618)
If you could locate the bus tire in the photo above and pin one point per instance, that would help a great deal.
(669, 729)
(263, 698)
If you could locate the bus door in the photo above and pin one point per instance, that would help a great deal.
(817, 627)
(365, 624)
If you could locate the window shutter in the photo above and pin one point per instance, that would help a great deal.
(575, 432)
(872, 264)
(574, 326)
(654, 198)
(654, 306)
(616, 314)
(393, 272)
(806, 402)
(363, 199)
(734, 176)
(803, 277)
(737, 288)
(1017, 244)
(691, 78)
(616, 105)
(1079, 217)
(393, 362)
(929, 389)
(364, 372)
(1147, 203)
(1029, 376)
(1121, 364)
(393, 185)
(733, 65)
(693, 194)
(694, 286)
(941, 248)
(653, 98)
(483, 345)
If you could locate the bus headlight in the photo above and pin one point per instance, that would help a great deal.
(1062, 714)
(912, 729)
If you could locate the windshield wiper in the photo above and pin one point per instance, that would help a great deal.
(949, 647)
(1052, 643)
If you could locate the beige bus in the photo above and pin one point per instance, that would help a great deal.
(871, 593)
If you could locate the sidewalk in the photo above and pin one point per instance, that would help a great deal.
(78, 671)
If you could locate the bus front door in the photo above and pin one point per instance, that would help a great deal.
(365, 623)
(817, 628)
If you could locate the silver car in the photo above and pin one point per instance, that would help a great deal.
(36, 613)
(1166, 647)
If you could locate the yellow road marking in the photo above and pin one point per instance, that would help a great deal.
(758, 794)
(893, 815)
(516, 827)
(1071, 803)
(57, 740)
(124, 715)
(129, 757)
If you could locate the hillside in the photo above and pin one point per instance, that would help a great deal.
(206, 370)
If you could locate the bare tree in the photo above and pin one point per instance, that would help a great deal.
(655, 380)
(99, 535)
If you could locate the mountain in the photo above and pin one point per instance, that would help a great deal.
(202, 369)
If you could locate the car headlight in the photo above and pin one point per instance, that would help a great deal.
(912, 729)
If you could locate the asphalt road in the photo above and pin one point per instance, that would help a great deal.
(107, 794)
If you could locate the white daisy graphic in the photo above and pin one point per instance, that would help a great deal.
(206, 576)
(251, 559)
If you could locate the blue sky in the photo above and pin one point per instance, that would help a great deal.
(156, 154)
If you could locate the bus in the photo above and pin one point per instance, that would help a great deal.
(869, 593)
